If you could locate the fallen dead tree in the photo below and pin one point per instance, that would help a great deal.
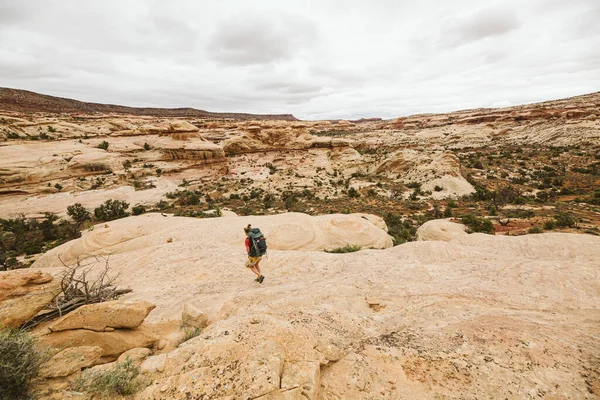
(89, 281)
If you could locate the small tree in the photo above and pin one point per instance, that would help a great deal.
(78, 213)
(111, 210)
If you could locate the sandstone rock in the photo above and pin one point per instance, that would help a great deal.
(193, 316)
(440, 229)
(109, 314)
(23, 293)
(305, 375)
(154, 364)
(113, 343)
(136, 355)
(70, 360)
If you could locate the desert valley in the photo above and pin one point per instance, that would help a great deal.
(433, 256)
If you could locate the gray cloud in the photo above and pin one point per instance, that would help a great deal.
(258, 39)
(482, 24)
(327, 59)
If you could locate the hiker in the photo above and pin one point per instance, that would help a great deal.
(256, 247)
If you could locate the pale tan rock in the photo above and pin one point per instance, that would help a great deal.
(109, 314)
(303, 374)
(70, 360)
(136, 355)
(193, 316)
(154, 364)
(23, 293)
(440, 229)
(112, 343)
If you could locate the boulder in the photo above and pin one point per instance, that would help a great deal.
(194, 317)
(23, 293)
(70, 360)
(112, 343)
(440, 229)
(137, 355)
(111, 314)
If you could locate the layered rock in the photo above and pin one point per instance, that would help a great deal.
(23, 293)
(98, 317)
(70, 361)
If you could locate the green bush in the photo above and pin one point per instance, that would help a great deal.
(346, 249)
(550, 225)
(20, 360)
(78, 213)
(564, 220)
(353, 193)
(111, 210)
(476, 224)
(401, 231)
(138, 210)
(146, 146)
(122, 380)
(103, 145)
(536, 229)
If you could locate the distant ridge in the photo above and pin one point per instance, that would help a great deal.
(25, 101)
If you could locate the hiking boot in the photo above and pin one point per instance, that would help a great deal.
(261, 279)
(257, 280)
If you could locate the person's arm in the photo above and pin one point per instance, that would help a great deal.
(247, 243)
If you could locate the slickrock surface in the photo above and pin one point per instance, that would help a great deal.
(477, 316)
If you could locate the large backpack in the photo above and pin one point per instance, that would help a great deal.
(258, 243)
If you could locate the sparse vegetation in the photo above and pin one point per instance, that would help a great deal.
(103, 145)
(20, 360)
(476, 224)
(345, 249)
(122, 380)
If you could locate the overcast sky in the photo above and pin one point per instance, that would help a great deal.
(316, 59)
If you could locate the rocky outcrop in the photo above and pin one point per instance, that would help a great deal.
(98, 317)
(113, 343)
(23, 293)
(70, 361)
(267, 138)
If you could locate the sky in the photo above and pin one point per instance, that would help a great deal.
(324, 59)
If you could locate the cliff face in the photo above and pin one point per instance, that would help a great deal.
(25, 101)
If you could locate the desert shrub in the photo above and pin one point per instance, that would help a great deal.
(372, 193)
(272, 168)
(268, 200)
(564, 220)
(353, 193)
(234, 196)
(51, 129)
(78, 213)
(103, 145)
(401, 231)
(190, 333)
(122, 380)
(476, 224)
(111, 210)
(345, 249)
(138, 210)
(146, 146)
(536, 229)
(438, 188)
(550, 225)
(20, 360)
(448, 211)
(58, 187)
